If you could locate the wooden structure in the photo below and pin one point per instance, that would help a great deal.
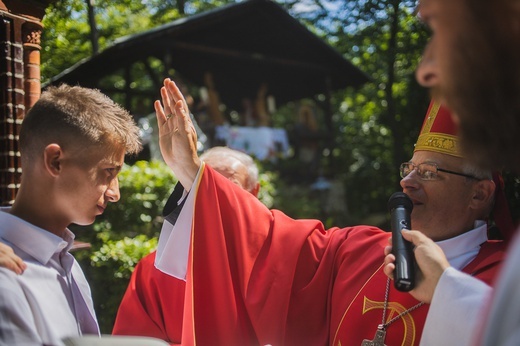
(243, 46)
(20, 33)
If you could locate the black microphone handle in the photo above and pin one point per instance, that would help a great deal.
(404, 273)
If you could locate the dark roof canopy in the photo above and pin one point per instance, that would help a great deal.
(242, 45)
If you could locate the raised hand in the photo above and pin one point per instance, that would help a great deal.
(431, 261)
(9, 260)
(177, 135)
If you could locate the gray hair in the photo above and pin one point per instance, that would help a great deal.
(479, 173)
(234, 158)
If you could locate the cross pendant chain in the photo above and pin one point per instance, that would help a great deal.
(379, 338)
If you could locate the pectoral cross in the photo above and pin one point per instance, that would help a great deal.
(379, 338)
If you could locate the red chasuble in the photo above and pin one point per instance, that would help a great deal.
(257, 277)
(358, 296)
(152, 305)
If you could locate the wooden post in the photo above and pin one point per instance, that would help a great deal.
(20, 32)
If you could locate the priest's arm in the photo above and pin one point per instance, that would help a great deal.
(253, 276)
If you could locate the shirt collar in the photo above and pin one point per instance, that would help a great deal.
(34, 241)
(465, 243)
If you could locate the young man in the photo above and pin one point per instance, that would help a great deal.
(255, 276)
(471, 63)
(153, 303)
(72, 143)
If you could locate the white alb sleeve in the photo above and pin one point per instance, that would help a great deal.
(458, 304)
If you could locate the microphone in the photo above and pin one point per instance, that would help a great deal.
(400, 207)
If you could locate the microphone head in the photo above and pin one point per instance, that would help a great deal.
(400, 199)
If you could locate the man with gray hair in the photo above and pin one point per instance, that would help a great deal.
(237, 166)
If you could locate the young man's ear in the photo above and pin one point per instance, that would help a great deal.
(52, 155)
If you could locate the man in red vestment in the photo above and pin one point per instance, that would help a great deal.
(255, 276)
(154, 301)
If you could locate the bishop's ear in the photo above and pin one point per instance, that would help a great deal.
(484, 192)
(52, 156)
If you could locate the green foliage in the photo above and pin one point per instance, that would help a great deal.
(268, 191)
(121, 256)
(109, 273)
(297, 202)
(67, 33)
(377, 125)
(65, 41)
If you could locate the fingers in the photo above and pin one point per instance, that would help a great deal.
(173, 103)
(416, 237)
(408, 235)
(20, 266)
(17, 266)
(389, 265)
(180, 110)
(174, 92)
(9, 260)
(184, 120)
(388, 269)
(388, 249)
(159, 112)
(170, 94)
(175, 95)
(166, 99)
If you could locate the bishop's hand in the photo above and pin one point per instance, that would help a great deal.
(177, 135)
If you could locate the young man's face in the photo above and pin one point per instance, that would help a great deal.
(89, 182)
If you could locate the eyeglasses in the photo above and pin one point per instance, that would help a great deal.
(427, 171)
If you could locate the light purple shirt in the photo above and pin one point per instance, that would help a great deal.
(51, 300)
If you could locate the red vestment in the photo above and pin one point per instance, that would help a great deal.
(152, 305)
(257, 277)
(359, 292)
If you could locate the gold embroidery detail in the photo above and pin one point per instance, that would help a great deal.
(434, 141)
(394, 308)
(440, 142)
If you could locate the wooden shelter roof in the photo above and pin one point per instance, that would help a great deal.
(242, 45)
